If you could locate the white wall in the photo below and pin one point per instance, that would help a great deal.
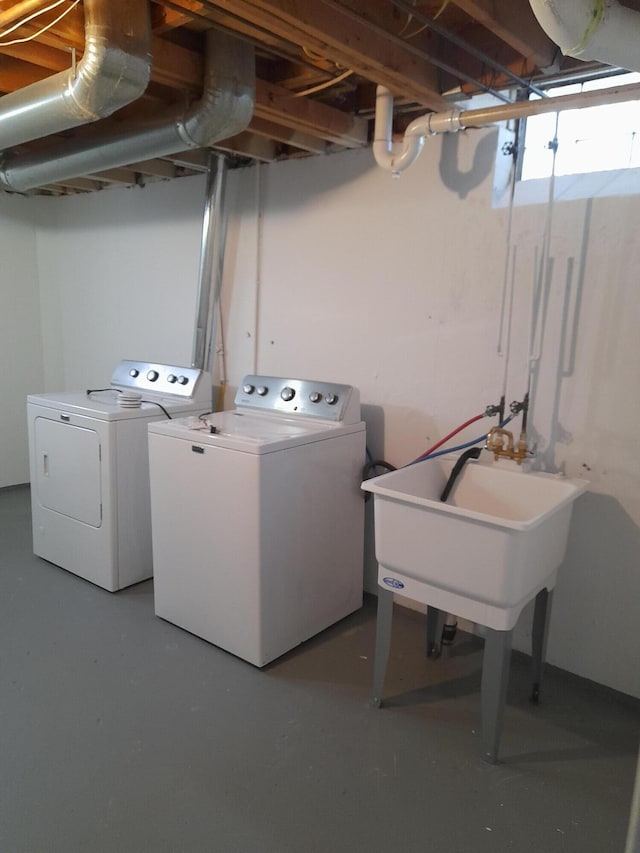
(118, 279)
(393, 286)
(20, 340)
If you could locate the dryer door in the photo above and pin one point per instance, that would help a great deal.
(68, 470)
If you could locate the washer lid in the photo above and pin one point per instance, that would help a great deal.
(252, 433)
(105, 405)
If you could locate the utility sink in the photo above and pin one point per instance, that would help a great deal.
(497, 541)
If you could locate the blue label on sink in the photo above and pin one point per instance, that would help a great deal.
(393, 583)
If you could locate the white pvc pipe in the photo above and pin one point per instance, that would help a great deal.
(398, 157)
(592, 29)
(393, 158)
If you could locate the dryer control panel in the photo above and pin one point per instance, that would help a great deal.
(163, 379)
(328, 401)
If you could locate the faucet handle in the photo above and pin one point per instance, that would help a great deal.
(496, 438)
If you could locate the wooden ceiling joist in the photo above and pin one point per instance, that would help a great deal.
(330, 30)
(516, 25)
(302, 48)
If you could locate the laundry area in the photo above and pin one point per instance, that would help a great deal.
(319, 470)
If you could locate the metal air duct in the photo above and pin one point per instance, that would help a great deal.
(114, 71)
(225, 109)
(592, 29)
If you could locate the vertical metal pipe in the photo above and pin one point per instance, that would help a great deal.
(211, 263)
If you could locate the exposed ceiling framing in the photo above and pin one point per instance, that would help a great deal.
(317, 65)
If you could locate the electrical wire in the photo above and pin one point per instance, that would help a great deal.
(120, 391)
(312, 54)
(451, 435)
(154, 403)
(459, 447)
(30, 17)
(312, 89)
(441, 9)
(43, 30)
(416, 32)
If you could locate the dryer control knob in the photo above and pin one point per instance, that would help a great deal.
(172, 378)
(287, 394)
(331, 399)
(262, 390)
(183, 380)
(315, 396)
(152, 375)
(248, 389)
(133, 372)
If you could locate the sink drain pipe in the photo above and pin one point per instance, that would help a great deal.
(396, 157)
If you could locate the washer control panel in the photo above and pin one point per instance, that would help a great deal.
(300, 397)
(168, 379)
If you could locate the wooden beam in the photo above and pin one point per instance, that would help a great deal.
(155, 168)
(126, 176)
(288, 136)
(339, 34)
(514, 23)
(176, 66)
(204, 13)
(248, 145)
(276, 103)
(21, 10)
(196, 159)
(173, 65)
(83, 184)
(16, 75)
(66, 34)
(164, 20)
(39, 54)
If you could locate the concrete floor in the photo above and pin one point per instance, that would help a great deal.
(120, 732)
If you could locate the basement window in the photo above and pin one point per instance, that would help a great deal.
(594, 139)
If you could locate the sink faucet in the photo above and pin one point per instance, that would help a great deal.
(501, 443)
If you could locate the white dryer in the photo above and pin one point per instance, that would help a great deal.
(89, 469)
(258, 517)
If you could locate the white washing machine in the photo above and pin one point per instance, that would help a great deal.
(258, 517)
(89, 469)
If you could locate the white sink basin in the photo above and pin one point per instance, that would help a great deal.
(496, 542)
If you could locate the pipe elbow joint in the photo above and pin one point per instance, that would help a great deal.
(108, 82)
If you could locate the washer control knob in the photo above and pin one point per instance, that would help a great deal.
(262, 390)
(248, 389)
(287, 393)
(134, 372)
(331, 399)
(172, 378)
(315, 396)
(183, 380)
(152, 375)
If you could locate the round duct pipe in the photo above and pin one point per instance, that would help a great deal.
(225, 109)
(114, 71)
(600, 30)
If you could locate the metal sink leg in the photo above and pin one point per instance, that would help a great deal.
(383, 642)
(493, 690)
(435, 624)
(540, 633)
